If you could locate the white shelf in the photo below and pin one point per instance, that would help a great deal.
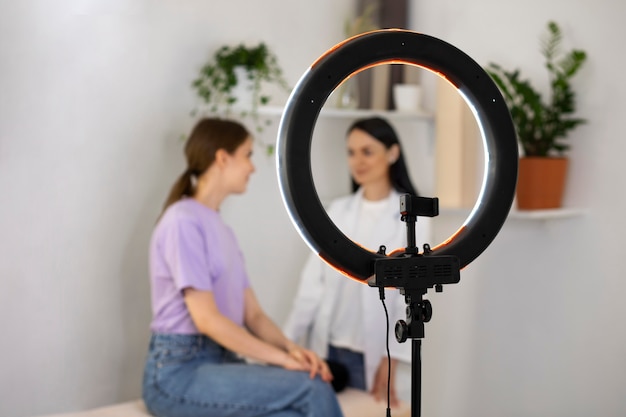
(561, 213)
(354, 113)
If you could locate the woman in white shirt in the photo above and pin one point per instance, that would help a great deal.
(342, 319)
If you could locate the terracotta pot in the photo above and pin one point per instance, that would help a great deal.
(540, 182)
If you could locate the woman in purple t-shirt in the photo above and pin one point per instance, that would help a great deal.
(205, 315)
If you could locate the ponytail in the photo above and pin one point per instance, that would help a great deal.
(184, 186)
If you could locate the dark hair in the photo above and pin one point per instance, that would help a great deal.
(207, 137)
(382, 131)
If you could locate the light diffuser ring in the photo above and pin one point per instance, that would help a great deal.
(394, 46)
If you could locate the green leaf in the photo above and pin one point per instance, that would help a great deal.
(541, 125)
(216, 79)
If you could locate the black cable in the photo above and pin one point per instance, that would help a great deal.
(381, 291)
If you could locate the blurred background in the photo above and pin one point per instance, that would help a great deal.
(94, 98)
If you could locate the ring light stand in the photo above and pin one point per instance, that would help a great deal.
(410, 271)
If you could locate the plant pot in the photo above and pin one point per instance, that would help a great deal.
(407, 97)
(540, 182)
(243, 91)
(347, 94)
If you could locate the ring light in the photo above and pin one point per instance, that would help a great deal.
(393, 46)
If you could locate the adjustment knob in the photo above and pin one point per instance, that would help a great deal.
(427, 311)
(402, 331)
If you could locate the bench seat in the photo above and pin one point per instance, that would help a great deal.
(354, 403)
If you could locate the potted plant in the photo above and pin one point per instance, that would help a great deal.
(233, 77)
(543, 125)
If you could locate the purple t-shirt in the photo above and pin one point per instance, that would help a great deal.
(191, 247)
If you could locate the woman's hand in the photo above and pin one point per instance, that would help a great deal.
(307, 360)
(379, 388)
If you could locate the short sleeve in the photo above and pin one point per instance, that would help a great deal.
(185, 253)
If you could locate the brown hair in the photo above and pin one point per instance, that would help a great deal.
(207, 137)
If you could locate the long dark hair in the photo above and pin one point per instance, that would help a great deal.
(207, 137)
(382, 131)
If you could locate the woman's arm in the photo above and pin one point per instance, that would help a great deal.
(261, 325)
(265, 329)
(379, 387)
(212, 323)
(209, 321)
(307, 301)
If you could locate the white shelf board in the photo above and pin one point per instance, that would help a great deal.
(354, 113)
(548, 214)
(560, 213)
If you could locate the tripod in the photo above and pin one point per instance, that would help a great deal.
(413, 274)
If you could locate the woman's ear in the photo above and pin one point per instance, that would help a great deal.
(393, 153)
(221, 157)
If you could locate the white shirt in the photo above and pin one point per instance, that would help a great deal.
(346, 329)
(317, 299)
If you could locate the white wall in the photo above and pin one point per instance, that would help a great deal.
(93, 99)
(534, 327)
(94, 96)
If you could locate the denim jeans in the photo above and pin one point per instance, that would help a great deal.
(354, 363)
(190, 375)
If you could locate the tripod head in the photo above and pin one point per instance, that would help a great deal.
(413, 273)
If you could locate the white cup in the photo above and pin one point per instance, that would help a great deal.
(407, 97)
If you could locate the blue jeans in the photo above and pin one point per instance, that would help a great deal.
(190, 375)
(354, 363)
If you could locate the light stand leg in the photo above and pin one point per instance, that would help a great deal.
(416, 378)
